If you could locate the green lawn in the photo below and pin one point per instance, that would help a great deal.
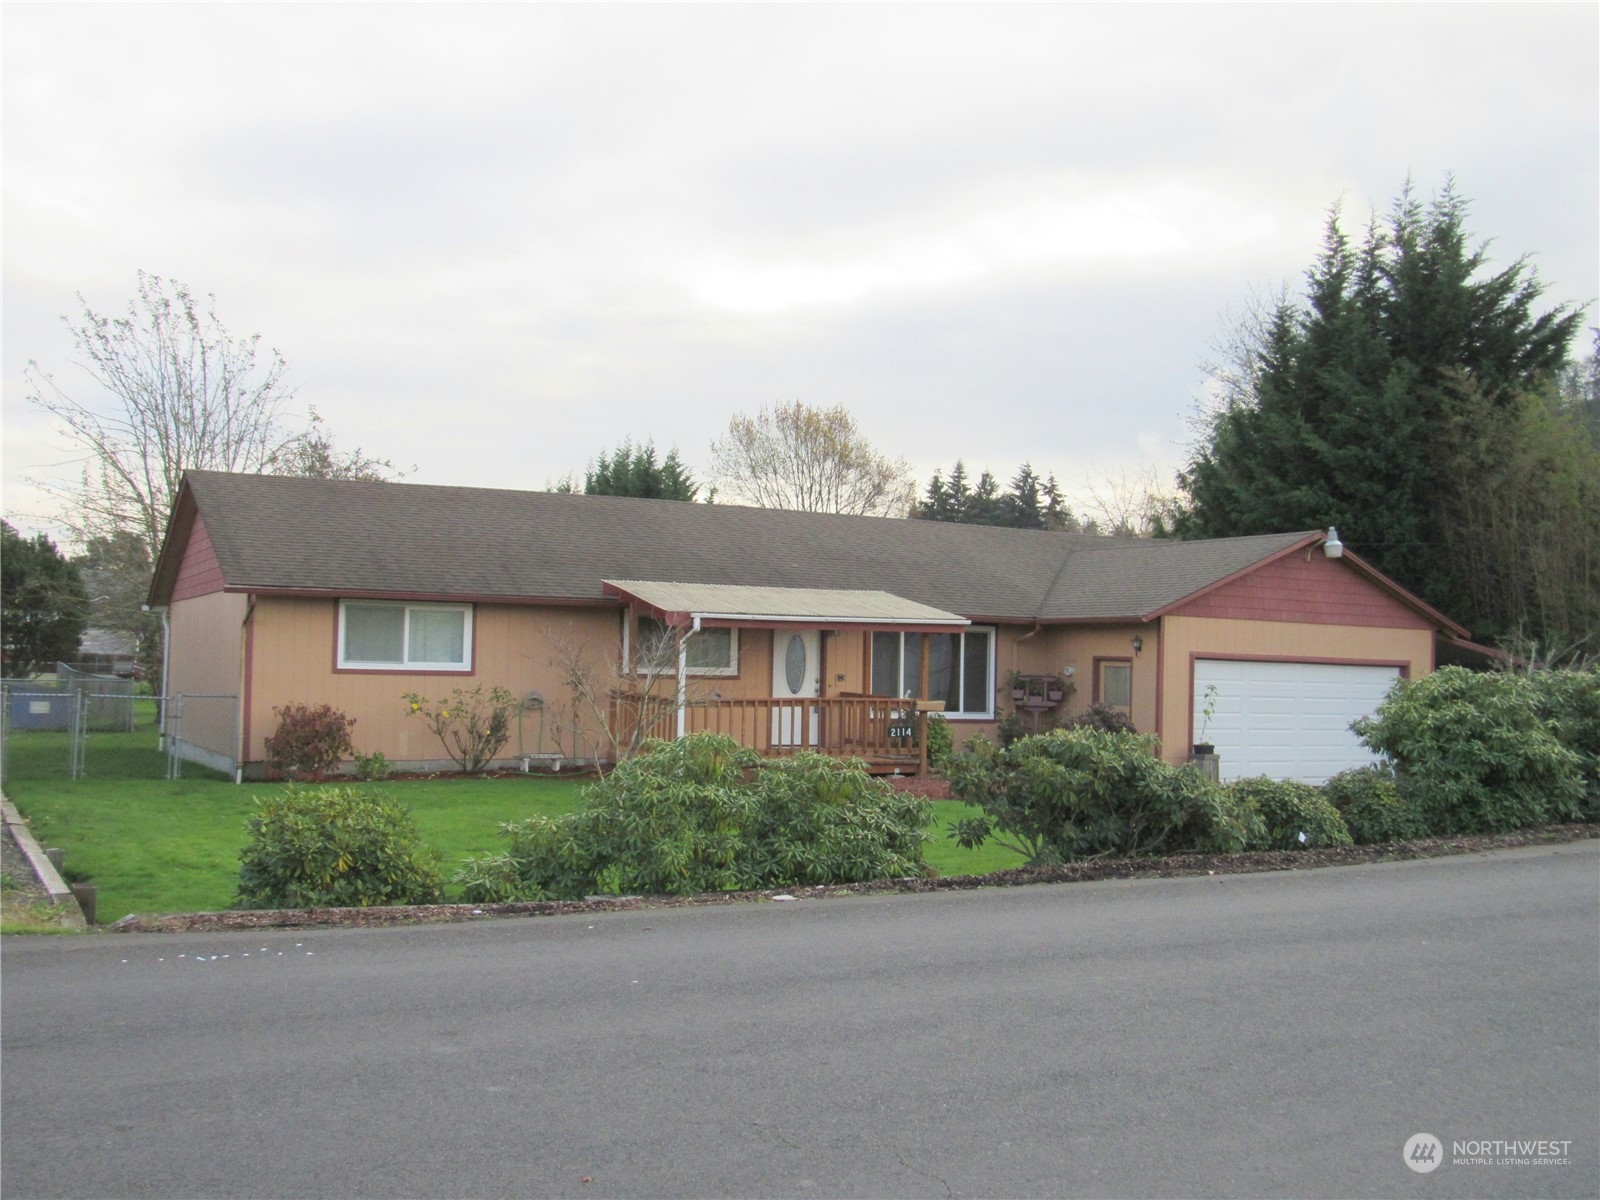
(947, 858)
(154, 845)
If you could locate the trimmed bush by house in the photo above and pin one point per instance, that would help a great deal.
(1369, 800)
(473, 725)
(309, 742)
(334, 847)
(941, 744)
(1294, 816)
(1083, 793)
(1102, 717)
(703, 814)
(1473, 753)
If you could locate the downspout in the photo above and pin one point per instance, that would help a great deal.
(683, 678)
(241, 732)
(1034, 632)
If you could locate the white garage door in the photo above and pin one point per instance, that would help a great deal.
(1286, 720)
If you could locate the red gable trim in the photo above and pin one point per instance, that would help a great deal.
(1408, 598)
(1311, 539)
(1255, 593)
(170, 557)
(199, 572)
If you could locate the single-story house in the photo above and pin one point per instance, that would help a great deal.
(787, 629)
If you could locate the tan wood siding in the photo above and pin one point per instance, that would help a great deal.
(1211, 637)
(292, 661)
(207, 638)
(1080, 647)
(844, 661)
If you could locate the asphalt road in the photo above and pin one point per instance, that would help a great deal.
(1272, 1035)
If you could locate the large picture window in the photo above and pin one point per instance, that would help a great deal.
(709, 652)
(960, 669)
(374, 636)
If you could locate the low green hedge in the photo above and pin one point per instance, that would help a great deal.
(703, 814)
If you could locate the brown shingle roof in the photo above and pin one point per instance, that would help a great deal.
(280, 534)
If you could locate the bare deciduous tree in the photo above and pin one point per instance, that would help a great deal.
(613, 705)
(1233, 372)
(180, 392)
(174, 390)
(1127, 501)
(311, 454)
(797, 457)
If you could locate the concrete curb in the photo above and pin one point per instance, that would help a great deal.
(43, 869)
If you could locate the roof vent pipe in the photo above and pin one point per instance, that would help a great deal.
(1331, 545)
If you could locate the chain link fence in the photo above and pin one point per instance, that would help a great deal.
(78, 726)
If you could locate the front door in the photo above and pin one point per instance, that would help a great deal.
(796, 680)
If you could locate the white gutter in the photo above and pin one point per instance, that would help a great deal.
(823, 619)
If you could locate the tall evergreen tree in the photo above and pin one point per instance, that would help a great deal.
(1346, 402)
(43, 605)
(960, 492)
(632, 470)
(1029, 503)
(1022, 506)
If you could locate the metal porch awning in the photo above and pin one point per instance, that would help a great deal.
(719, 604)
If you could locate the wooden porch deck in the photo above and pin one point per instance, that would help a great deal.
(885, 732)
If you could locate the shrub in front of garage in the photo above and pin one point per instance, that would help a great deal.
(1294, 816)
(1569, 702)
(1083, 793)
(1373, 809)
(1473, 754)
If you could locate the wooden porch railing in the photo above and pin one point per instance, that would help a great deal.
(885, 731)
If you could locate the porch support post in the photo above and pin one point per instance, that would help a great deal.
(683, 678)
(683, 686)
(922, 741)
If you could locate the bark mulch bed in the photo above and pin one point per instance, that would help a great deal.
(1156, 868)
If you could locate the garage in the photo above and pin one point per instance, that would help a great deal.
(1286, 720)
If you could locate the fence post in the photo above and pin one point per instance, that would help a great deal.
(79, 728)
(172, 707)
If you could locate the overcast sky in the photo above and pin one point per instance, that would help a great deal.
(491, 241)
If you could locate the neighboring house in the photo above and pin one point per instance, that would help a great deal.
(109, 652)
(286, 591)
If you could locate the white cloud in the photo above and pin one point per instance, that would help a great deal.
(492, 239)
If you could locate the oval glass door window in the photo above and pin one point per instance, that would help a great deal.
(794, 664)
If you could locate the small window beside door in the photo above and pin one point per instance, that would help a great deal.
(1114, 688)
(709, 652)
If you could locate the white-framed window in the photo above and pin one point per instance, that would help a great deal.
(376, 635)
(709, 652)
(960, 669)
